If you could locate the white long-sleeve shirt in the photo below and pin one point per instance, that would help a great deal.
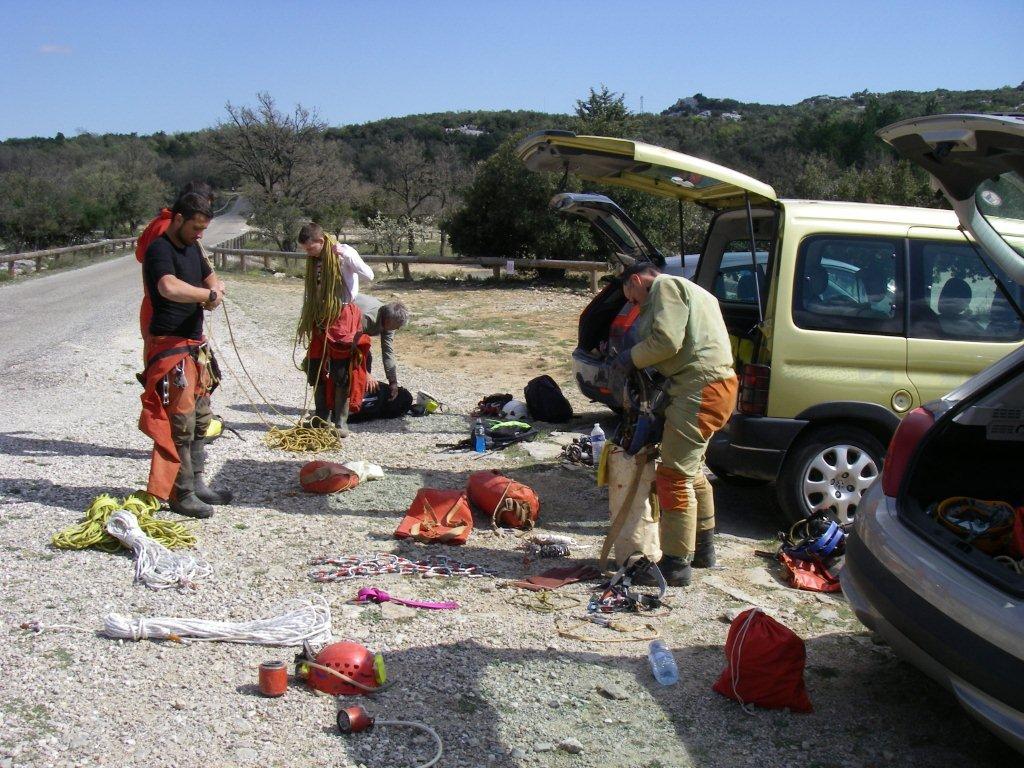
(352, 268)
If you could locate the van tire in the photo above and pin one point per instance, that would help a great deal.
(815, 461)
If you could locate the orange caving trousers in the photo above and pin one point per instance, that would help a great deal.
(684, 494)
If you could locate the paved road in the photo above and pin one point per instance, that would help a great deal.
(80, 306)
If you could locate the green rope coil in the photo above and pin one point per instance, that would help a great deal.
(320, 303)
(92, 530)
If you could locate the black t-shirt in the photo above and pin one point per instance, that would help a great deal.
(171, 318)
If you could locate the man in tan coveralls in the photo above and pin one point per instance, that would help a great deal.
(684, 338)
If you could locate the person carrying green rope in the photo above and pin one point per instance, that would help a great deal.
(330, 323)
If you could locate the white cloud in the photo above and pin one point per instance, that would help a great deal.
(62, 50)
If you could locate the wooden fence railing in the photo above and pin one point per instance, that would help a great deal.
(243, 258)
(97, 248)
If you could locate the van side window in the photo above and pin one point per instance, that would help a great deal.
(849, 284)
(954, 296)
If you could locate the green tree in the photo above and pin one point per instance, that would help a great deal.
(603, 113)
(505, 213)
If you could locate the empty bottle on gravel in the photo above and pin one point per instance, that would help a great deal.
(663, 665)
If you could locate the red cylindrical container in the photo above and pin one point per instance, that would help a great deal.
(273, 678)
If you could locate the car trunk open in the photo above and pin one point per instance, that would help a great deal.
(976, 449)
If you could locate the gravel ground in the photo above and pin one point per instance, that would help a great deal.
(494, 678)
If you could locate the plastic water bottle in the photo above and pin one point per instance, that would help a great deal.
(479, 441)
(596, 442)
(663, 665)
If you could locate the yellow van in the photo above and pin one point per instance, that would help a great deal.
(845, 317)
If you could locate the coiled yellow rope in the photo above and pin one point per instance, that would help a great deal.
(92, 530)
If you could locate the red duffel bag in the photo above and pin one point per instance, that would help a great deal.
(764, 664)
(327, 477)
(503, 500)
(437, 516)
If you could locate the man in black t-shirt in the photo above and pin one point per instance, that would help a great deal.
(179, 373)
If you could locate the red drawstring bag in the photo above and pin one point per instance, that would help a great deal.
(811, 575)
(503, 500)
(327, 477)
(437, 516)
(764, 664)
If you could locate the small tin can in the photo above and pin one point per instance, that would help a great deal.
(273, 678)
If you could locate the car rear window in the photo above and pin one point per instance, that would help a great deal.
(849, 284)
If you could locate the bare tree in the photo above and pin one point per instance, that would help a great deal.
(452, 176)
(409, 177)
(290, 171)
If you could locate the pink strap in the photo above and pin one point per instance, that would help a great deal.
(374, 595)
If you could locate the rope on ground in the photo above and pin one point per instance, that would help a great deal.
(298, 621)
(91, 531)
(155, 565)
(650, 632)
(545, 601)
(300, 437)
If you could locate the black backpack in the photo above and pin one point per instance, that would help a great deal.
(545, 401)
(376, 405)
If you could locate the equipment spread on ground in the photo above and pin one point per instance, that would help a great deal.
(437, 515)
(91, 531)
(155, 565)
(347, 567)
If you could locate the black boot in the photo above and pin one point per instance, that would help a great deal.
(704, 554)
(676, 570)
(204, 492)
(183, 497)
(321, 412)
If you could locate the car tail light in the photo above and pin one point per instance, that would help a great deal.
(753, 399)
(901, 448)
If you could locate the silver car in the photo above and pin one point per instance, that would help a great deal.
(943, 604)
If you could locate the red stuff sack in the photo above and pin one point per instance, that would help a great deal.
(327, 477)
(437, 516)
(764, 664)
(503, 500)
(811, 575)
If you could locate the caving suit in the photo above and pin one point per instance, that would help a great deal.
(180, 374)
(683, 336)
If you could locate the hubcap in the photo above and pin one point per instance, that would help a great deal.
(835, 480)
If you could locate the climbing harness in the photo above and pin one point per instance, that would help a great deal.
(91, 531)
(619, 596)
(348, 567)
(155, 565)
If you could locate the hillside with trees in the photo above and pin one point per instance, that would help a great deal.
(454, 172)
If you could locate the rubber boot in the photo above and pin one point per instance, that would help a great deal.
(704, 554)
(339, 371)
(183, 498)
(204, 492)
(676, 570)
(321, 412)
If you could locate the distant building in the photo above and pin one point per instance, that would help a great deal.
(734, 117)
(466, 130)
(704, 114)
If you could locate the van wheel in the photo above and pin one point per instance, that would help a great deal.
(829, 470)
(736, 480)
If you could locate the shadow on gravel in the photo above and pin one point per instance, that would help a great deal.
(462, 691)
(75, 498)
(30, 444)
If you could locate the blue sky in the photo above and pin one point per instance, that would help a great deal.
(142, 67)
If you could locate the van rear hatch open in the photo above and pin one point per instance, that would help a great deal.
(644, 167)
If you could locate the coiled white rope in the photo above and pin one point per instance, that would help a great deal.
(155, 565)
(299, 620)
(423, 727)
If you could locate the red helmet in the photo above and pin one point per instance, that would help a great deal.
(351, 660)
